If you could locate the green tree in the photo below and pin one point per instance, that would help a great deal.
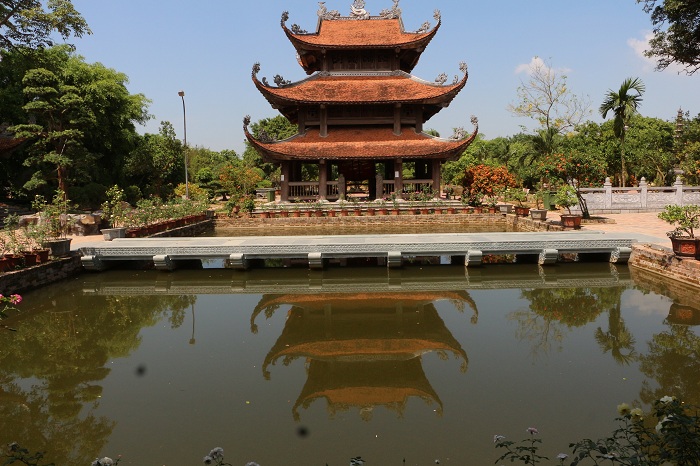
(676, 33)
(79, 113)
(157, 163)
(623, 104)
(276, 128)
(28, 23)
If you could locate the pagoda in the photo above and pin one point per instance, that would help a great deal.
(360, 114)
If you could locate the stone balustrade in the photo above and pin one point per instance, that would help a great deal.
(642, 198)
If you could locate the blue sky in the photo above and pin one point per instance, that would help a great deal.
(208, 47)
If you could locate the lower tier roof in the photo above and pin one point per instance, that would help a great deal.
(361, 142)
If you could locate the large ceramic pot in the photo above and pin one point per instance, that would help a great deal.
(571, 221)
(538, 214)
(521, 211)
(112, 233)
(686, 247)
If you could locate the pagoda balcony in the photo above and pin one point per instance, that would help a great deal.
(310, 190)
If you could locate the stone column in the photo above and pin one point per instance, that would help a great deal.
(322, 180)
(284, 181)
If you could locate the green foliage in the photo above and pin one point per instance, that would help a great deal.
(156, 165)
(54, 215)
(566, 197)
(28, 23)
(82, 113)
(686, 217)
(115, 207)
(670, 434)
(676, 33)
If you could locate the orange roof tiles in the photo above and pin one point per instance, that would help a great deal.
(361, 142)
(361, 90)
(374, 33)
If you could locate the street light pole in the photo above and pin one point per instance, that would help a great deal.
(184, 122)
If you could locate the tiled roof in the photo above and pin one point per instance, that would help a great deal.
(334, 89)
(361, 142)
(373, 33)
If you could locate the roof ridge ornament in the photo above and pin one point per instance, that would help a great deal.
(394, 13)
(296, 29)
(357, 10)
(425, 27)
(441, 79)
(323, 12)
(285, 17)
(437, 15)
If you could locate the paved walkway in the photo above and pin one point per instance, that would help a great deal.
(647, 226)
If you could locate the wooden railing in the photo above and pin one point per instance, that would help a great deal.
(303, 190)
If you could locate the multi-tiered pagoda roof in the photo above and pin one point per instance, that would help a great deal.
(361, 102)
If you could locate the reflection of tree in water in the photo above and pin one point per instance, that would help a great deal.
(63, 346)
(673, 361)
(618, 339)
(553, 310)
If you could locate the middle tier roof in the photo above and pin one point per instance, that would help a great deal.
(358, 89)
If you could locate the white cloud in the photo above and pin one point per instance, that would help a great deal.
(538, 64)
(640, 45)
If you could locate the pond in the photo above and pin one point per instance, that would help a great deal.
(297, 367)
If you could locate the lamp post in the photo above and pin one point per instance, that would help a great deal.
(184, 123)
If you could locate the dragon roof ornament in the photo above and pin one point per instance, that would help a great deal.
(441, 79)
(394, 13)
(323, 12)
(285, 17)
(357, 10)
(425, 27)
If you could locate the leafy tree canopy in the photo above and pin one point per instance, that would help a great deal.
(28, 23)
(676, 33)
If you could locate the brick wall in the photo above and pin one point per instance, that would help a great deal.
(662, 261)
(34, 277)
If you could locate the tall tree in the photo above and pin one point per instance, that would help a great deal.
(27, 23)
(545, 98)
(623, 104)
(79, 113)
(676, 33)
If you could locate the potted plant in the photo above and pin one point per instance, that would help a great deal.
(394, 203)
(520, 196)
(115, 209)
(686, 218)
(504, 193)
(566, 197)
(54, 220)
(539, 213)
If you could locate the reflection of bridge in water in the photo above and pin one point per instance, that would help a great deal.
(446, 278)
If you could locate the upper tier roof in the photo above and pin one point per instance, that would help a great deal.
(361, 88)
(361, 143)
(360, 34)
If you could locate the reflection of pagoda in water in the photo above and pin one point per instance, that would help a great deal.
(363, 350)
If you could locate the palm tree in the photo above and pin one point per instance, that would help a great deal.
(623, 104)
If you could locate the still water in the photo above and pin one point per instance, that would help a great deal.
(294, 367)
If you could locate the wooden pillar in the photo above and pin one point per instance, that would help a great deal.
(397, 119)
(398, 177)
(379, 186)
(322, 180)
(419, 119)
(324, 121)
(284, 181)
(301, 121)
(436, 176)
(341, 187)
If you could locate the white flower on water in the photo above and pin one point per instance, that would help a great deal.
(562, 456)
(667, 399)
(623, 409)
(532, 431)
(208, 460)
(217, 453)
(498, 438)
(106, 461)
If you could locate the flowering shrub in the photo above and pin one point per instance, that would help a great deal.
(670, 434)
(8, 303)
(485, 180)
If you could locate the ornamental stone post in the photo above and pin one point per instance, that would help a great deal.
(679, 190)
(643, 191)
(608, 193)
